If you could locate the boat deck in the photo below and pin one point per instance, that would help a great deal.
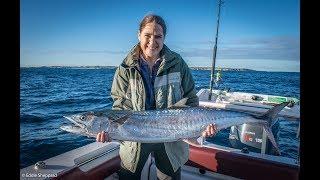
(102, 161)
(187, 173)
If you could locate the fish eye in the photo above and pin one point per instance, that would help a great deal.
(81, 117)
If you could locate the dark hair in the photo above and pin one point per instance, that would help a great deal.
(153, 18)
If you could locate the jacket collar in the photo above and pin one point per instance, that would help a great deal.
(168, 58)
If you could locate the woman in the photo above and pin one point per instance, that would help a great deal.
(152, 77)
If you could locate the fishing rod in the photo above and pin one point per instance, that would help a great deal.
(215, 51)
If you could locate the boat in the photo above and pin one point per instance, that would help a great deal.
(101, 161)
(211, 161)
(249, 102)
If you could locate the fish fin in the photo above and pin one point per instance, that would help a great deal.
(115, 117)
(271, 138)
(180, 104)
(272, 113)
(197, 141)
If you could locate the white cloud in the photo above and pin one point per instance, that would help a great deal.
(279, 47)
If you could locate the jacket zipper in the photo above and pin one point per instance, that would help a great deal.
(143, 88)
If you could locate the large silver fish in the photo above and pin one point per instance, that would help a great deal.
(167, 125)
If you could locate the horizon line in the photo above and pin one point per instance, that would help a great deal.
(203, 67)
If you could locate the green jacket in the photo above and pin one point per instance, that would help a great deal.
(173, 82)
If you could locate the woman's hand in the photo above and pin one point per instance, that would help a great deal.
(103, 137)
(210, 131)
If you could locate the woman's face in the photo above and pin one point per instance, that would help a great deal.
(151, 40)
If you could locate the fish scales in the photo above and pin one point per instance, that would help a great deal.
(173, 124)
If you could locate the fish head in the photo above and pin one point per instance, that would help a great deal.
(88, 123)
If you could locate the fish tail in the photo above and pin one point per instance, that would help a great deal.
(271, 115)
(270, 136)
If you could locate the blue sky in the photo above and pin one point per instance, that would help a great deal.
(254, 34)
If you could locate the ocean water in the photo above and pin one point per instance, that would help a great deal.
(47, 94)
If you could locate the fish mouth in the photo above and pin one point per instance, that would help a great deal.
(75, 122)
(73, 129)
(77, 130)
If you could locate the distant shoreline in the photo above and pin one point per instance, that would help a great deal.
(111, 67)
(193, 68)
(222, 69)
